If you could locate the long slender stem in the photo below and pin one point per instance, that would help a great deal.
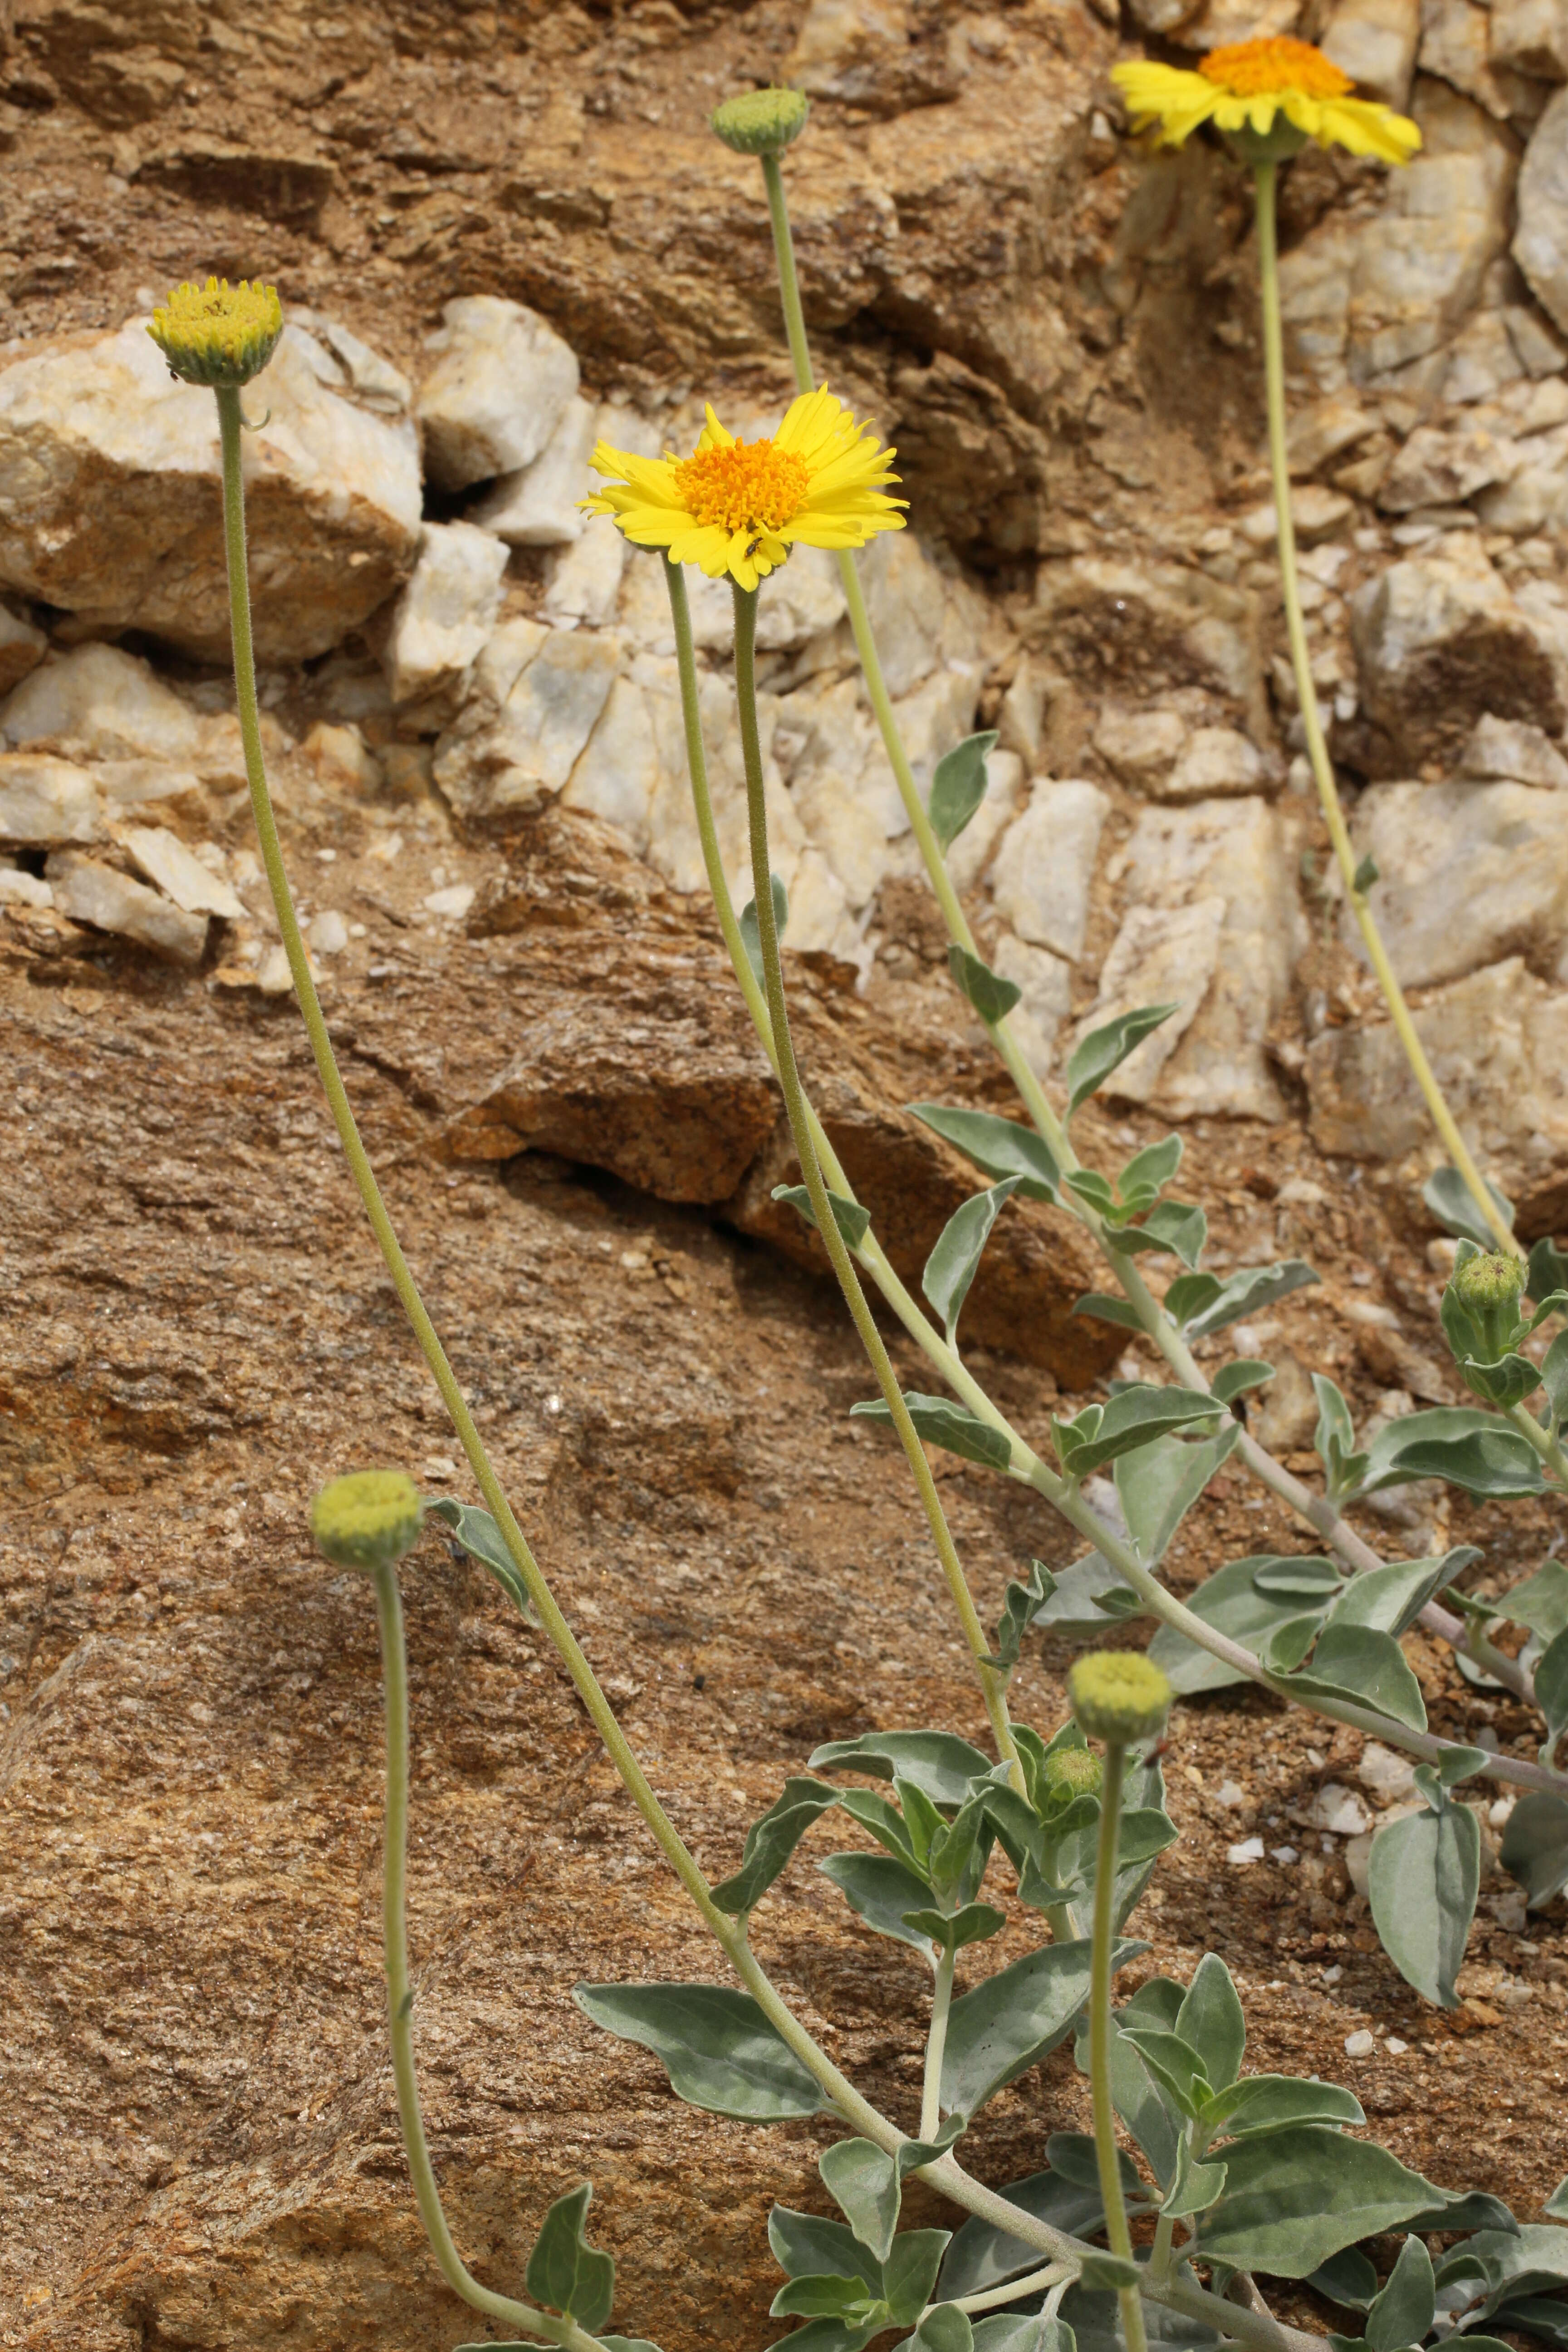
(400, 1996)
(1053, 2275)
(1548, 1445)
(936, 2046)
(1108, 2156)
(1267, 179)
(1160, 2259)
(1320, 1514)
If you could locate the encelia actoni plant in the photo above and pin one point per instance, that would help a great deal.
(1228, 2173)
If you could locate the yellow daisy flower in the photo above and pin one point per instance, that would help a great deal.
(738, 507)
(1244, 86)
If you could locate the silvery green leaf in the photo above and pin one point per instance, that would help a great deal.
(808, 2245)
(1555, 1377)
(886, 1823)
(1210, 2022)
(1242, 1294)
(771, 1841)
(1288, 1643)
(865, 2184)
(1159, 1483)
(940, 1422)
(1457, 1764)
(952, 1930)
(1105, 1049)
(1134, 1417)
(719, 2050)
(1365, 874)
(476, 1532)
(1179, 1227)
(1097, 2325)
(991, 996)
(853, 1222)
(565, 2272)
(1293, 2198)
(1023, 2331)
(1155, 1164)
(1548, 1269)
(1072, 1607)
(1541, 1601)
(910, 2272)
(1535, 1846)
(1469, 1448)
(1449, 1197)
(1174, 2065)
(998, 1147)
(943, 2328)
(1020, 1601)
(1107, 2274)
(1234, 1379)
(750, 938)
(1233, 1602)
(939, 1763)
(1391, 1598)
(1551, 1691)
(884, 1893)
(1507, 1382)
(1196, 2188)
(955, 1260)
(1152, 2119)
(1556, 2205)
(1264, 2103)
(1104, 1308)
(1346, 2278)
(1510, 2265)
(958, 786)
(1011, 2021)
(1403, 2312)
(833, 2335)
(1300, 1579)
(982, 2256)
(1353, 1662)
(1422, 1882)
(827, 2297)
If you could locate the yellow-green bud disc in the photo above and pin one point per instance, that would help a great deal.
(219, 334)
(1074, 1770)
(368, 1519)
(760, 121)
(1491, 1279)
(1118, 1696)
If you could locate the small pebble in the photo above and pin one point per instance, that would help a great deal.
(1283, 1855)
(1359, 2044)
(1249, 1850)
(1395, 2047)
(453, 902)
(1227, 1793)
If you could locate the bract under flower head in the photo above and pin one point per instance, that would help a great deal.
(738, 507)
(760, 121)
(368, 1519)
(1118, 1696)
(1249, 86)
(219, 334)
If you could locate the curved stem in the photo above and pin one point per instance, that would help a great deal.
(1108, 2156)
(1266, 177)
(400, 1997)
(1548, 1445)
(1053, 2274)
(936, 2046)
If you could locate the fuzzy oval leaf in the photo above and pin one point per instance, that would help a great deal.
(1265, 2103)
(853, 1222)
(1422, 1881)
(955, 1260)
(565, 2272)
(1451, 1202)
(940, 1422)
(884, 1893)
(750, 937)
(1367, 1666)
(1551, 1691)
(1232, 1602)
(1011, 2021)
(1469, 1448)
(998, 1147)
(991, 996)
(1244, 1292)
(1133, 1417)
(941, 1765)
(1105, 1049)
(864, 2182)
(475, 1530)
(1293, 2198)
(1159, 1483)
(1391, 1598)
(771, 1841)
(717, 2049)
(809, 2245)
(958, 786)
(981, 2255)
(1535, 1846)
(1405, 2308)
(1234, 1379)
(1210, 2020)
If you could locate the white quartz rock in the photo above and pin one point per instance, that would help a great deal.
(1044, 863)
(163, 858)
(89, 892)
(496, 391)
(444, 617)
(42, 799)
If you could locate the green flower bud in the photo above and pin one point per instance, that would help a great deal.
(368, 1519)
(1488, 1286)
(760, 121)
(1118, 1696)
(1072, 1772)
(219, 334)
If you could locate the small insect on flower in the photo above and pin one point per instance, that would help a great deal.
(1258, 87)
(738, 507)
(219, 334)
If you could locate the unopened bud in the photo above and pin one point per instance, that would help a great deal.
(760, 121)
(1118, 1696)
(219, 334)
(1488, 1286)
(1072, 1772)
(368, 1519)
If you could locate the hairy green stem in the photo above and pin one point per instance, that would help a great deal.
(1265, 177)
(1160, 2259)
(1053, 2275)
(1544, 1441)
(936, 2046)
(400, 1997)
(1106, 2155)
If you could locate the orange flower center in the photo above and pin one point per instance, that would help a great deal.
(1268, 68)
(750, 485)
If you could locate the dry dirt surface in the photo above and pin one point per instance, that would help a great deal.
(202, 2147)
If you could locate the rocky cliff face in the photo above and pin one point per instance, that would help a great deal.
(499, 232)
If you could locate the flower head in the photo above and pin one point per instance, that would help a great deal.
(217, 333)
(738, 507)
(1118, 1697)
(368, 1519)
(1248, 86)
(1069, 1773)
(760, 121)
